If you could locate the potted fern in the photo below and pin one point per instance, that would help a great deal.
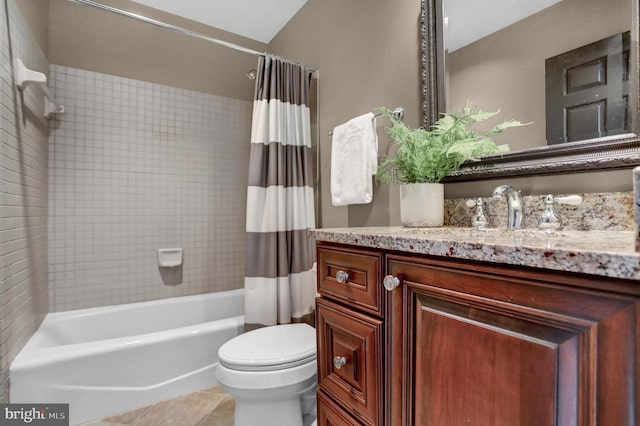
(424, 157)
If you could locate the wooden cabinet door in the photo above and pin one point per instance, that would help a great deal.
(495, 346)
(350, 360)
(331, 414)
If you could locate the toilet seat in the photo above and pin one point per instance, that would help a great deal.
(270, 348)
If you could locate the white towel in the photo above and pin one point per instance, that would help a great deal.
(354, 160)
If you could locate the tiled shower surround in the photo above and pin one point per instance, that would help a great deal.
(135, 167)
(23, 194)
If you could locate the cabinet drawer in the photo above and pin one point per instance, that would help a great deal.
(350, 360)
(360, 289)
(330, 413)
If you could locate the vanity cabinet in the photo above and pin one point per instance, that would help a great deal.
(350, 336)
(459, 342)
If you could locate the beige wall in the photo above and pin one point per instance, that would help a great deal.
(91, 39)
(367, 53)
(367, 56)
(36, 15)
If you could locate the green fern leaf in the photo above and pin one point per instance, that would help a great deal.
(429, 155)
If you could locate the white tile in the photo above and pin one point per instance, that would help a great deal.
(144, 163)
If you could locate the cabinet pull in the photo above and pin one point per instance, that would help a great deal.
(339, 362)
(390, 282)
(342, 277)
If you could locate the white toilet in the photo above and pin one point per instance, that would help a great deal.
(272, 374)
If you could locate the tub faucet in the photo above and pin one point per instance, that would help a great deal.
(514, 205)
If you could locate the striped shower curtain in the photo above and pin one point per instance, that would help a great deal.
(279, 281)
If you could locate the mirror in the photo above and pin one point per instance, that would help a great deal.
(498, 63)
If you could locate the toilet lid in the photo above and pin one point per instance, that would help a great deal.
(270, 348)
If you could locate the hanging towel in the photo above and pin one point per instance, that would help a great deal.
(354, 159)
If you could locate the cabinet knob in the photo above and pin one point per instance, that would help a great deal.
(342, 277)
(390, 282)
(339, 362)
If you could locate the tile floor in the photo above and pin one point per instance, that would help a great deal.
(209, 407)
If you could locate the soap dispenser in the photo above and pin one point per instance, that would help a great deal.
(479, 219)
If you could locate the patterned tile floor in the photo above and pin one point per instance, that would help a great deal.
(209, 407)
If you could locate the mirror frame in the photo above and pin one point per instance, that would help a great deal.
(615, 152)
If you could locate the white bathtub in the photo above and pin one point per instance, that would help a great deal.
(107, 360)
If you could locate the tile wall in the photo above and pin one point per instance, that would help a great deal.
(134, 167)
(23, 194)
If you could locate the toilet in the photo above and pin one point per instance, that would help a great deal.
(272, 374)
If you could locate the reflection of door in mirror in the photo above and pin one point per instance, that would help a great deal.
(587, 91)
(505, 70)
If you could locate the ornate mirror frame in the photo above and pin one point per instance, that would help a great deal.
(618, 152)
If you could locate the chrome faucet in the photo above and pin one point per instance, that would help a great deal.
(514, 205)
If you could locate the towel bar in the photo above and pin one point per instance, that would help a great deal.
(397, 114)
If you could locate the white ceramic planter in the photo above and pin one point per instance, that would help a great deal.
(422, 204)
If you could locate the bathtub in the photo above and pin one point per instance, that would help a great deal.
(107, 360)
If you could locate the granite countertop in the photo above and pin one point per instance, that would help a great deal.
(606, 253)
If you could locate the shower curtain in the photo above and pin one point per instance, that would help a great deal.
(280, 281)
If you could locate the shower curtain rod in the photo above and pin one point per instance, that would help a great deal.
(174, 28)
